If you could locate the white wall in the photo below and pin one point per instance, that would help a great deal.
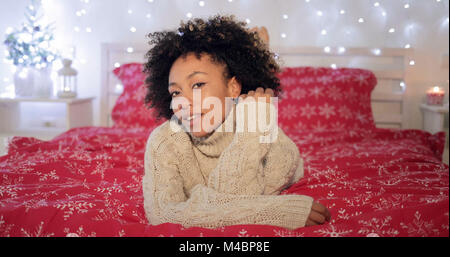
(424, 25)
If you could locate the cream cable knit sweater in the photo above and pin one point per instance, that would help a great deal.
(227, 178)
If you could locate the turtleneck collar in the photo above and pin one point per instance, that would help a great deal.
(213, 144)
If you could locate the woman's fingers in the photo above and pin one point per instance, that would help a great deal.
(318, 207)
(241, 98)
(269, 91)
(257, 93)
(317, 217)
(253, 29)
(321, 209)
(310, 222)
(259, 90)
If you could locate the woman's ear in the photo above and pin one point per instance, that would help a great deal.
(234, 87)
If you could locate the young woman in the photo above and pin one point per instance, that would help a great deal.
(200, 170)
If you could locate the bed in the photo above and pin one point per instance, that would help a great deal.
(376, 178)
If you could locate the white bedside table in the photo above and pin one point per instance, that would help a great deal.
(433, 121)
(78, 113)
(433, 117)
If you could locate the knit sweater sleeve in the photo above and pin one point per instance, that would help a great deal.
(165, 199)
(251, 166)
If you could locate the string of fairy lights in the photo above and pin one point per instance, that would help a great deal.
(382, 7)
(284, 16)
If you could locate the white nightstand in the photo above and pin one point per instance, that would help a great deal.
(433, 121)
(433, 117)
(78, 113)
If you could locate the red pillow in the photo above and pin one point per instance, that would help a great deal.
(325, 98)
(129, 110)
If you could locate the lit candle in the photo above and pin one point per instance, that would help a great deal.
(435, 96)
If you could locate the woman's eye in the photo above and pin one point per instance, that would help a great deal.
(198, 85)
(173, 94)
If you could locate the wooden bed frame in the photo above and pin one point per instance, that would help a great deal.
(388, 65)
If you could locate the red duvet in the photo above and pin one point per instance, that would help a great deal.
(87, 182)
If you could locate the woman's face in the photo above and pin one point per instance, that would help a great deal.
(201, 96)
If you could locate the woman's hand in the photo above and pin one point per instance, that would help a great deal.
(255, 95)
(262, 33)
(318, 215)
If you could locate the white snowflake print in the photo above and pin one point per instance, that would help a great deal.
(34, 203)
(337, 178)
(113, 210)
(317, 70)
(319, 127)
(306, 80)
(434, 198)
(73, 167)
(70, 207)
(344, 112)
(299, 72)
(101, 167)
(395, 201)
(52, 176)
(362, 80)
(139, 95)
(334, 93)
(325, 80)
(308, 111)
(135, 164)
(244, 233)
(129, 71)
(346, 216)
(289, 112)
(287, 233)
(358, 201)
(361, 117)
(381, 227)
(299, 93)
(326, 111)
(288, 81)
(299, 126)
(283, 95)
(316, 92)
(121, 233)
(5, 228)
(78, 233)
(331, 231)
(10, 187)
(351, 95)
(137, 186)
(100, 139)
(337, 126)
(108, 190)
(38, 232)
(419, 227)
(382, 169)
(141, 217)
(345, 78)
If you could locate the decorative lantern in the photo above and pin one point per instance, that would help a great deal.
(67, 80)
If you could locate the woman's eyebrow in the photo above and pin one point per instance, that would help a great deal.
(188, 77)
(195, 73)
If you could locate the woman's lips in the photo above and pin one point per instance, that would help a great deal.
(191, 120)
(194, 116)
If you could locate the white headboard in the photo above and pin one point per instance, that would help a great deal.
(388, 65)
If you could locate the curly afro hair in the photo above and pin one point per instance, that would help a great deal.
(244, 55)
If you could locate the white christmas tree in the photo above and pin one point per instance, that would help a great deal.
(31, 44)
